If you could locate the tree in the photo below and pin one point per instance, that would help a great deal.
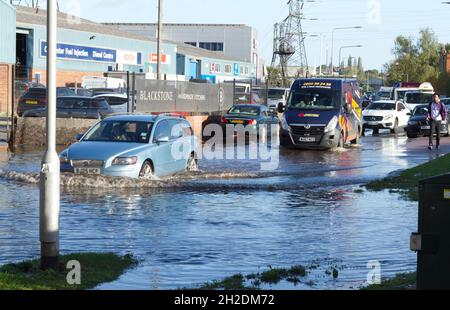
(417, 61)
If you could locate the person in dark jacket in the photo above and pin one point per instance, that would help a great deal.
(437, 113)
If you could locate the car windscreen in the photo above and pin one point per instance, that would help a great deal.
(244, 110)
(420, 111)
(314, 99)
(381, 106)
(275, 93)
(401, 94)
(120, 131)
(418, 98)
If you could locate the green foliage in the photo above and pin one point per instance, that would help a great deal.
(407, 182)
(96, 268)
(400, 282)
(416, 60)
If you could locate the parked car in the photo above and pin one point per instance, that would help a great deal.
(76, 107)
(386, 114)
(257, 118)
(118, 102)
(36, 98)
(418, 124)
(83, 92)
(22, 87)
(135, 146)
(321, 113)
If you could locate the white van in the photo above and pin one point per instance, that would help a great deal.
(276, 96)
(92, 82)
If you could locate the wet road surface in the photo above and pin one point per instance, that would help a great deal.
(231, 217)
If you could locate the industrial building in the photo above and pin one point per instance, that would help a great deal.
(232, 40)
(86, 48)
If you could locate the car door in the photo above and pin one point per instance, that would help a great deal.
(181, 144)
(162, 151)
(402, 113)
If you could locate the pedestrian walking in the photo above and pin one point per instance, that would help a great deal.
(437, 113)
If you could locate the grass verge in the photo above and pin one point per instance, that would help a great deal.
(404, 281)
(270, 276)
(96, 268)
(407, 182)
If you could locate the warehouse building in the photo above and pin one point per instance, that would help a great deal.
(7, 53)
(86, 48)
(232, 40)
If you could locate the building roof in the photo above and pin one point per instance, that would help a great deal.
(180, 25)
(26, 15)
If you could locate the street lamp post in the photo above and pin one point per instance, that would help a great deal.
(344, 47)
(50, 176)
(159, 42)
(332, 42)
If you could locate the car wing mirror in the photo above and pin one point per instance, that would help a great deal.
(164, 139)
(79, 136)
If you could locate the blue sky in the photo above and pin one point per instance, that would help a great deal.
(382, 21)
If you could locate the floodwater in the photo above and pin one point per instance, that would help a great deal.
(230, 217)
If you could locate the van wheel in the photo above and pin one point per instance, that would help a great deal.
(146, 170)
(356, 140)
(394, 130)
(341, 140)
(192, 163)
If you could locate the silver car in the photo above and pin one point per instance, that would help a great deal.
(135, 146)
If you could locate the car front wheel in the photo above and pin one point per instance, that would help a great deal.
(146, 171)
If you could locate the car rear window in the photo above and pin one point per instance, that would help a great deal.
(35, 93)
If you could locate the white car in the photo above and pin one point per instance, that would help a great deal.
(277, 95)
(386, 114)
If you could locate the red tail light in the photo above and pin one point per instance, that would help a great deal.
(224, 120)
(252, 122)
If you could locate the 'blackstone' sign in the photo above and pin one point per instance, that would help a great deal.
(169, 96)
(77, 52)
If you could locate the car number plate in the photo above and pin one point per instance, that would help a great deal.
(307, 139)
(236, 121)
(31, 102)
(373, 123)
(87, 170)
(425, 127)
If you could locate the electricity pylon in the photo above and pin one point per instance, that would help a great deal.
(289, 43)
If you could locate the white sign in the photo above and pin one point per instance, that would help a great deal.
(129, 58)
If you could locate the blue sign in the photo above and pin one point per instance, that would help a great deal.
(76, 52)
(236, 69)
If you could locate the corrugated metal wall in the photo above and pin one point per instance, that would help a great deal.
(7, 33)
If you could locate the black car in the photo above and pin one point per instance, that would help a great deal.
(76, 107)
(36, 98)
(418, 124)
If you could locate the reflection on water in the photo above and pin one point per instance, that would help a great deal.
(227, 218)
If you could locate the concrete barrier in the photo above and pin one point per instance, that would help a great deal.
(31, 131)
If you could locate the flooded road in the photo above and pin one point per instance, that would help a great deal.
(230, 217)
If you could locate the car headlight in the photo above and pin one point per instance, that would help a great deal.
(124, 161)
(388, 116)
(64, 158)
(284, 124)
(332, 124)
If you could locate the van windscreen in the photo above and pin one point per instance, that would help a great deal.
(314, 99)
